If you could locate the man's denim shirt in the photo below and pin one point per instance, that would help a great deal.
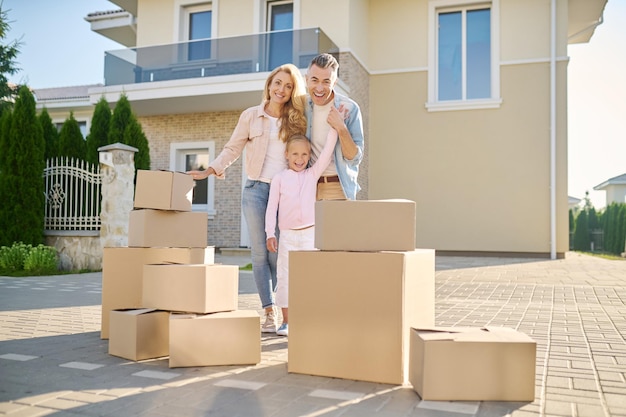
(347, 170)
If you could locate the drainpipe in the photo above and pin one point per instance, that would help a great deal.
(553, 132)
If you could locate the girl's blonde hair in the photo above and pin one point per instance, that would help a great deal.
(292, 118)
(297, 138)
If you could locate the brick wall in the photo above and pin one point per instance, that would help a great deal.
(224, 230)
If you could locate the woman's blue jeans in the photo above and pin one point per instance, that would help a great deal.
(254, 204)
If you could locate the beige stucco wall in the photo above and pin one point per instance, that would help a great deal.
(480, 177)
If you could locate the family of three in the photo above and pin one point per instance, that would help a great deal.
(303, 143)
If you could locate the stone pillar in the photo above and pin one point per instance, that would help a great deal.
(117, 166)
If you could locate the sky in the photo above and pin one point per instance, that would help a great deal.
(70, 54)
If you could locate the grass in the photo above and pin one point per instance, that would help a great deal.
(23, 273)
(246, 267)
(609, 256)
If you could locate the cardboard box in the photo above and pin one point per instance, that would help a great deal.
(350, 313)
(172, 229)
(122, 274)
(191, 288)
(472, 364)
(361, 225)
(230, 338)
(163, 190)
(139, 334)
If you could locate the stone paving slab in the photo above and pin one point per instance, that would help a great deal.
(52, 361)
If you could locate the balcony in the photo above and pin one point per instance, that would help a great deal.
(215, 57)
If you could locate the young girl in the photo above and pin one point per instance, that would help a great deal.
(263, 130)
(292, 195)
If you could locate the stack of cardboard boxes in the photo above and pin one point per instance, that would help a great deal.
(163, 295)
(362, 307)
(353, 302)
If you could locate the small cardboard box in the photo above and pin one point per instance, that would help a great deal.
(472, 364)
(365, 225)
(350, 313)
(122, 274)
(139, 334)
(230, 338)
(163, 190)
(173, 229)
(191, 288)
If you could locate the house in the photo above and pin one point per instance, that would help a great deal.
(464, 102)
(573, 203)
(615, 189)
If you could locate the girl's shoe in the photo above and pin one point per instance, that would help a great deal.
(283, 330)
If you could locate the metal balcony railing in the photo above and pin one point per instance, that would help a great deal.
(211, 57)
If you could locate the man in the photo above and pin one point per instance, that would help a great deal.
(325, 109)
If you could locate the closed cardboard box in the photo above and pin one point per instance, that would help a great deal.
(122, 274)
(163, 190)
(139, 334)
(350, 313)
(191, 288)
(365, 225)
(230, 338)
(472, 364)
(172, 229)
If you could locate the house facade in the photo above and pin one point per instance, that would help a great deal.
(464, 102)
(615, 188)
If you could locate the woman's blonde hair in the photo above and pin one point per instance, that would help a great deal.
(292, 118)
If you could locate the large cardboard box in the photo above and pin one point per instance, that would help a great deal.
(350, 313)
(122, 274)
(163, 190)
(191, 288)
(229, 338)
(472, 364)
(173, 229)
(365, 225)
(139, 334)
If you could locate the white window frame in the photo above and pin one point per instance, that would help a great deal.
(260, 15)
(178, 151)
(436, 6)
(182, 9)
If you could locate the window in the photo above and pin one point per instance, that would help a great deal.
(195, 156)
(82, 125)
(280, 18)
(197, 29)
(463, 59)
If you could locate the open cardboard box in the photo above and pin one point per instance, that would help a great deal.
(472, 364)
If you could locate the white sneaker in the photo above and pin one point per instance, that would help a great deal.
(270, 322)
(283, 330)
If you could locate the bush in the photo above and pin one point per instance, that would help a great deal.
(41, 260)
(20, 257)
(12, 257)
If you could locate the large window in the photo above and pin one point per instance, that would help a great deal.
(195, 156)
(463, 68)
(280, 18)
(197, 29)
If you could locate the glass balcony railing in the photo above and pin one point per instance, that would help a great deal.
(211, 57)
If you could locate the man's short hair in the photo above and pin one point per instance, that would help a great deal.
(325, 61)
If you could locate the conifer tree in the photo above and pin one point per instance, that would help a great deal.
(134, 136)
(581, 233)
(22, 168)
(50, 135)
(71, 141)
(99, 130)
(8, 64)
(122, 114)
(5, 196)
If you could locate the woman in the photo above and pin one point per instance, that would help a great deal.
(263, 130)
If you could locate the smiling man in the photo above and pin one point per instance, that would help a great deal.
(327, 108)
